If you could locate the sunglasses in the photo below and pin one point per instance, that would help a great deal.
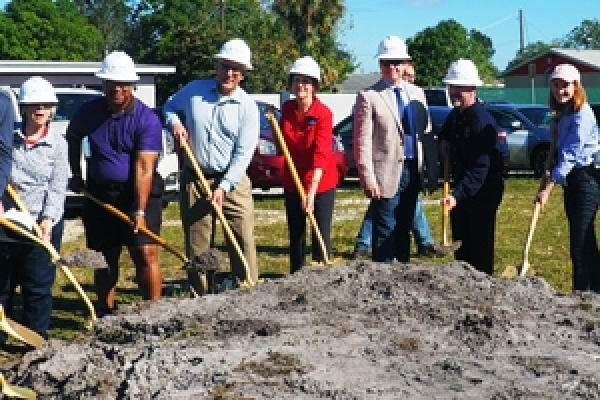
(229, 67)
(389, 63)
(301, 79)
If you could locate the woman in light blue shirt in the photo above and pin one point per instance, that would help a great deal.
(575, 135)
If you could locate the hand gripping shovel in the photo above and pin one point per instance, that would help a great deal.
(446, 247)
(198, 282)
(523, 270)
(290, 164)
(55, 257)
(14, 391)
(228, 232)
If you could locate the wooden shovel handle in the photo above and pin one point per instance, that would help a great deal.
(445, 211)
(51, 250)
(299, 187)
(218, 211)
(120, 214)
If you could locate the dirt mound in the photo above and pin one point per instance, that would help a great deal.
(358, 331)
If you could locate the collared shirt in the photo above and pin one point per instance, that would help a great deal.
(577, 143)
(309, 139)
(7, 123)
(40, 173)
(404, 111)
(223, 130)
(115, 139)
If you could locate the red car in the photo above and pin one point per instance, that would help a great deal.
(266, 168)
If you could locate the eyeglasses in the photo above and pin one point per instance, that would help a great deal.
(41, 105)
(302, 79)
(237, 69)
(389, 63)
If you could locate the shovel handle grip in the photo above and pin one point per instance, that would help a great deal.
(298, 183)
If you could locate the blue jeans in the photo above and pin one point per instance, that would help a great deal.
(420, 228)
(29, 266)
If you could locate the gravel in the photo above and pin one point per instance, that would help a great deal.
(357, 331)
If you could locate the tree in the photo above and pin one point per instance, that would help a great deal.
(110, 17)
(46, 30)
(584, 36)
(314, 25)
(435, 48)
(192, 44)
(529, 51)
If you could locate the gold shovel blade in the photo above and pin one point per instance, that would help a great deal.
(18, 331)
(14, 391)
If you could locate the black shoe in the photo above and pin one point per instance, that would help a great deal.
(426, 250)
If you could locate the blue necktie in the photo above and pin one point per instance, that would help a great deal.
(404, 111)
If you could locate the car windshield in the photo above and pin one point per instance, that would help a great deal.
(539, 116)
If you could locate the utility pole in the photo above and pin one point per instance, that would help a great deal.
(222, 16)
(521, 36)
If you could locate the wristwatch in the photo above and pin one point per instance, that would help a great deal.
(138, 213)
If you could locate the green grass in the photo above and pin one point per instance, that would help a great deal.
(549, 254)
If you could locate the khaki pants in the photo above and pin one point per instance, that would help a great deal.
(198, 220)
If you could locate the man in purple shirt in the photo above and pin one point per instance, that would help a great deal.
(125, 140)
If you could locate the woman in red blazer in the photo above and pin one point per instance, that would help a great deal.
(307, 127)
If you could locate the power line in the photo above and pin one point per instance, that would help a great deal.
(500, 21)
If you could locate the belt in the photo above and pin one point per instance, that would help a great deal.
(410, 161)
(207, 175)
(109, 186)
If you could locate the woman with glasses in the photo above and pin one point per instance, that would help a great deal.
(39, 177)
(307, 128)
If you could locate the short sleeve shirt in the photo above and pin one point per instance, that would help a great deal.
(115, 139)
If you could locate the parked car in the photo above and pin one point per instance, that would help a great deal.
(266, 168)
(438, 114)
(528, 134)
(437, 97)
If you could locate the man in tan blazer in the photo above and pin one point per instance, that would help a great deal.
(391, 120)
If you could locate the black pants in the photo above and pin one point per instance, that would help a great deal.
(581, 198)
(474, 223)
(296, 219)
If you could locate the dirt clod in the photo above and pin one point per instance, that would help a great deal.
(359, 331)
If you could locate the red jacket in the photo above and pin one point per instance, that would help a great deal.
(309, 139)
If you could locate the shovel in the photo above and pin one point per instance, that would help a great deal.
(290, 164)
(524, 269)
(14, 391)
(228, 232)
(198, 282)
(446, 247)
(18, 331)
(55, 257)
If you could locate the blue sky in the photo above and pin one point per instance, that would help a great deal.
(369, 21)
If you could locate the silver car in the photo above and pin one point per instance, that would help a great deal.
(528, 133)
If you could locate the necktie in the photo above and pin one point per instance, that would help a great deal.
(404, 111)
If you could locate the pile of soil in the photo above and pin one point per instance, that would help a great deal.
(357, 331)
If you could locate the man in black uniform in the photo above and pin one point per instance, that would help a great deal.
(469, 139)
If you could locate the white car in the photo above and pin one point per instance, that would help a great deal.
(69, 100)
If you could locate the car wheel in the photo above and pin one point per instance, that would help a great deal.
(538, 160)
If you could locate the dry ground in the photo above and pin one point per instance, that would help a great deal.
(358, 331)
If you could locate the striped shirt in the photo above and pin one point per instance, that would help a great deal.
(40, 173)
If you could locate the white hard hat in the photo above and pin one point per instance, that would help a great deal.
(566, 72)
(462, 73)
(392, 48)
(118, 67)
(20, 218)
(306, 66)
(37, 90)
(235, 50)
